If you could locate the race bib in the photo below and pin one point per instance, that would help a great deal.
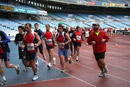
(78, 37)
(30, 47)
(20, 43)
(70, 34)
(60, 45)
(49, 41)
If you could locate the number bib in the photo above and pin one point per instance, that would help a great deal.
(20, 43)
(78, 37)
(70, 34)
(30, 47)
(60, 45)
(49, 41)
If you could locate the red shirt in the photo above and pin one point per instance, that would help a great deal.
(29, 39)
(99, 46)
(61, 39)
(78, 36)
(1, 50)
(48, 36)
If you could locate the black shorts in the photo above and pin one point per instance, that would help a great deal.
(49, 47)
(5, 56)
(77, 44)
(21, 53)
(99, 55)
(30, 56)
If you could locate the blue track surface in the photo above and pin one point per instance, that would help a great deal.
(25, 77)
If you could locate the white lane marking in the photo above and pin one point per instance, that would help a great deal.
(74, 76)
(99, 71)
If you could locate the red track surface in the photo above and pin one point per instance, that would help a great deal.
(85, 72)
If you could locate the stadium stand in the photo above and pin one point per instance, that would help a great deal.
(68, 18)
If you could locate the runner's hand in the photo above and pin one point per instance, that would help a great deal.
(35, 45)
(55, 44)
(63, 44)
(74, 39)
(93, 42)
(22, 46)
(103, 40)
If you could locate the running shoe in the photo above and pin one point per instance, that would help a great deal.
(37, 67)
(26, 69)
(18, 69)
(102, 74)
(44, 56)
(37, 63)
(54, 60)
(63, 70)
(70, 61)
(3, 82)
(35, 77)
(49, 66)
(105, 69)
(77, 58)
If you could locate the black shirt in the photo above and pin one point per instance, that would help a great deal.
(83, 31)
(71, 33)
(18, 37)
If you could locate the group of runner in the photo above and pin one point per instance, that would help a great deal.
(29, 41)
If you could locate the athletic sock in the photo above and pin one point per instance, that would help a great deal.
(16, 67)
(49, 64)
(3, 78)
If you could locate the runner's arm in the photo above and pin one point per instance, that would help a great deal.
(37, 37)
(41, 33)
(15, 41)
(106, 37)
(6, 40)
(73, 36)
(89, 39)
(69, 40)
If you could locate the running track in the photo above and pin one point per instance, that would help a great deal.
(84, 73)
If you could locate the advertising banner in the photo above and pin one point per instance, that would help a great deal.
(21, 10)
(42, 12)
(113, 4)
(91, 3)
(98, 3)
(106, 4)
(8, 8)
(31, 11)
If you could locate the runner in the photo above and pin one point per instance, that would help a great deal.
(40, 33)
(19, 40)
(83, 34)
(71, 43)
(86, 34)
(31, 46)
(67, 30)
(55, 31)
(49, 40)
(4, 55)
(63, 41)
(77, 41)
(98, 39)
